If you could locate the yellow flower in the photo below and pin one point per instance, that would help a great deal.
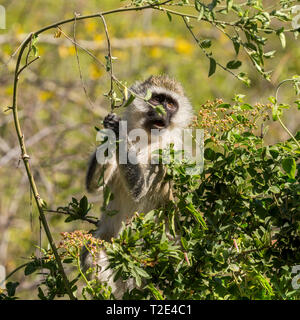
(98, 37)
(63, 51)
(95, 72)
(184, 47)
(91, 26)
(45, 95)
(71, 51)
(155, 52)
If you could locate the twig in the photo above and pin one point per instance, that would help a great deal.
(95, 222)
(78, 62)
(28, 64)
(278, 117)
(118, 82)
(16, 51)
(109, 57)
(204, 51)
(15, 270)
(81, 47)
(237, 23)
(117, 43)
(25, 157)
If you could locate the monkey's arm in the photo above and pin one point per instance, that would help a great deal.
(137, 177)
(98, 174)
(134, 177)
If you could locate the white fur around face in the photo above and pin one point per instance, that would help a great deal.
(135, 113)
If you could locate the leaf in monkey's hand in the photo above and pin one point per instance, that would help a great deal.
(160, 109)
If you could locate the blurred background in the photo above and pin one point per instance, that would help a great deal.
(58, 117)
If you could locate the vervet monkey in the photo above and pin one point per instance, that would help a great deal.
(139, 186)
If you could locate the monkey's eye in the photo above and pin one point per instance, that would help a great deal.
(156, 99)
(170, 105)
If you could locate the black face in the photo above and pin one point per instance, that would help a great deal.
(156, 120)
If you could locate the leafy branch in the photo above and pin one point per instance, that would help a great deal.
(76, 211)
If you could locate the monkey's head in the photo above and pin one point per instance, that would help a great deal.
(166, 92)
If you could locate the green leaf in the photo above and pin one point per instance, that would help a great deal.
(160, 109)
(272, 99)
(244, 77)
(157, 295)
(184, 243)
(71, 218)
(30, 268)
(234, 267)
(265, 283)
(41, 294)
(74, 200)
(246, 106)
(33, 45)
(224, 105)
(236, 45)
(129, 101)
(234, 64)
(201, 12)
(84, 205)
(289, 166)
(196, 215)
(148, 95)
(142, 272)
(269, 54)
(229, 4)
(206, 43)
(212, 66)
(209, 154)
(282, 39)
(274, 189)
(11, 288)
(276, 112)
(169, 16)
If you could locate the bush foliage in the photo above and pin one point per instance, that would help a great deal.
(233, 230)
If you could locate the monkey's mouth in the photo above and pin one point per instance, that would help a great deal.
(159, 124)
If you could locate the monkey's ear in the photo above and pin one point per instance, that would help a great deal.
(98, 174)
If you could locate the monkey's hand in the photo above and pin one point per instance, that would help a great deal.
(111, 121)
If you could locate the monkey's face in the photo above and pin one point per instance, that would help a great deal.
(156, 119)
(176, 109)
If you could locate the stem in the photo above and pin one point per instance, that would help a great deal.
(78, 62)
(278, 117)
(201, 47)
(17, 269)
(288, 131)
(83, 276)
(109, 56)
(87, 219)
(59, 23)
(25, 158)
